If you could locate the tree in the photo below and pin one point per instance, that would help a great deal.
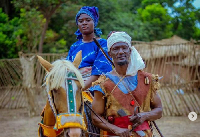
(51, 23)
(185, 20)
(158, 19)
(31, 23)
(8, 32)
(6, 6)
(46, 7)
(64, 25)
(122, 15)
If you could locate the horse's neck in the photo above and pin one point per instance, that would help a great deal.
(49, 118)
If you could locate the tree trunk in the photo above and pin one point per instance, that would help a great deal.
(47, 17)
(5, 4)
(43, 35)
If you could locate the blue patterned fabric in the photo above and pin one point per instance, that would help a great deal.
(130, 81)
(93, 12)
(91, 56)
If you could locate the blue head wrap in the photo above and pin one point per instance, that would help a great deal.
(93, 12)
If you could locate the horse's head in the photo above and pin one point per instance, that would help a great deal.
(63, 86)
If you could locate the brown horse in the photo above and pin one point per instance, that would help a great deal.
(63, 113)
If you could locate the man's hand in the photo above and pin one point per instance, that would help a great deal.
(138, 119)
(123, 132)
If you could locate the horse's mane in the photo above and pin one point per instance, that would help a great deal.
(59, 72)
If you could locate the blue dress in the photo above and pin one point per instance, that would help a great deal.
(91, 56)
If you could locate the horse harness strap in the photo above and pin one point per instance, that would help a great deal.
(63, 120)
(71, 96)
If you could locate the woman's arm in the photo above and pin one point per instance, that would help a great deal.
(88, 83)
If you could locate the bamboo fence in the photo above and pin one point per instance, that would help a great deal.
(21, 80)
(179, 64)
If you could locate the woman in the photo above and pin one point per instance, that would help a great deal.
(93, 62)
(93, 59)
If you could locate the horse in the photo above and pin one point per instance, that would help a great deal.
(63, 113)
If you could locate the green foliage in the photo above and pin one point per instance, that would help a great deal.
(185, 19)
(158, 19)
(57, 46)
(63, 23)
(117, 15)
(47, 8)
(143, 20)
(164, 3)
(8, 32)
(31, 24)
(53, 44)
(29, 4)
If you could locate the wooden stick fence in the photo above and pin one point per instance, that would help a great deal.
(178, 64)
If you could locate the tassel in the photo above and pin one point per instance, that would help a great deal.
(146, 81)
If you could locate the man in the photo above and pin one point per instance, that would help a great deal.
(118, 94)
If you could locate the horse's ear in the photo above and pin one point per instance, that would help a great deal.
(78, 59)
(45, 64)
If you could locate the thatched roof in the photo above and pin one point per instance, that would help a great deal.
(191, 60)
(173, 40)
(174, 46)
(164, 51)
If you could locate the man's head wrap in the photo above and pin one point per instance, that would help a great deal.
(93, 12)
(135, 61)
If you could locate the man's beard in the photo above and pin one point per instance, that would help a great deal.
(122, 63)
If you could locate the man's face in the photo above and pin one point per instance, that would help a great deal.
(85, 24)
(120, 52)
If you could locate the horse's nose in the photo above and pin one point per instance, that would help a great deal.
(73, 132)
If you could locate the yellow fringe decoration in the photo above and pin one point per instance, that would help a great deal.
(155, 83)
(87, 96)
(48, 131)
(154, 86)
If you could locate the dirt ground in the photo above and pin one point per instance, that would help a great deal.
(16, 123)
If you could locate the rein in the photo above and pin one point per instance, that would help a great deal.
(62, 118)
(98, 117)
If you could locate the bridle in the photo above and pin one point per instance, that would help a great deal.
(63, 120)
(72, 118)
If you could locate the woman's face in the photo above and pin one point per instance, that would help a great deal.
(85, 24)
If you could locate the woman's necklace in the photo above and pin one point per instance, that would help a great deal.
(133, 100)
